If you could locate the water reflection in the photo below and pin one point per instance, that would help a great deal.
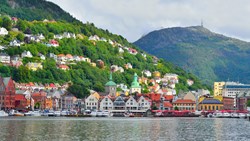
(119, 129)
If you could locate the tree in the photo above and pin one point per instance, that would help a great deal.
(6, 23)
(20, 37)
(21, 25)
(78, 91)
(176, 108)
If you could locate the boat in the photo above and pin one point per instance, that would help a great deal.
(158, 114)
(36, 113)
(226, 115)
(57, 113)
(28, 113)
(242, 115)
(129, 115)
(100, 114)
(210, 115)
(3, 114)
(16, 113)
(64, 113)
(51, 113)
(234, 115)
(218, 115)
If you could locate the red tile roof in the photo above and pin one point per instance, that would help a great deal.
(168, 97)
(167, 104)
(20, 97)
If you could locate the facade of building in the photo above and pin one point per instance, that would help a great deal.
(184, 104)
(7, 93)
(110, 87)
(92, 102)
(233, 89)
(228, 103)
(210, 104)
(218, 87)
(106, 103)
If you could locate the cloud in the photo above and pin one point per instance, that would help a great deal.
(134, 18)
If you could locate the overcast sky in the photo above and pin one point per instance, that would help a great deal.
(134, 18)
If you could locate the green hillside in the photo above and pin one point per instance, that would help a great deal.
(82, 74)
(210, 56)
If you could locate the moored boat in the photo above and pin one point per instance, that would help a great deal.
(242, 115)
(3, 114)
(234, 115)
(226, 115)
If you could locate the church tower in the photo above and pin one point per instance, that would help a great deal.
(135, 86)
(110, 87)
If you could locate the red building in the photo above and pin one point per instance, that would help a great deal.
(228, 103)
(7, 93)
(21, 103)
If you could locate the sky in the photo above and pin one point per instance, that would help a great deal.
(134, 18)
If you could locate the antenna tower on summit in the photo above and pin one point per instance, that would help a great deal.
(201, 23)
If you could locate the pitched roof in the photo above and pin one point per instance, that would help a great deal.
(6, 80)
(211, 101)
(167, 104)
(20, 97)
(184, 101)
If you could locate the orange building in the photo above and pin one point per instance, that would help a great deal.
(184, 104)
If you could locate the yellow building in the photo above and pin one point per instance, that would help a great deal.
(34, 66)
(218, 87)
(210, 104)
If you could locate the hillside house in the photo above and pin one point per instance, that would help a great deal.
(3, 31)
(26, 54)
(4, 58)
(34, 66)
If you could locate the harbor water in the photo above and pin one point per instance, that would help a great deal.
(123, 129)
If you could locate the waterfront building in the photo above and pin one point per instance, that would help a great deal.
(119, 104)
(241, 100)
(110, 86)
(135, 86)
(210, 104)
(184, 104)
(218, 87)
(233, 89)
(92, 101)
(131, 104)
(68, 101)
(106, 103)
(7, 93)
(228, 103)
(144, 103)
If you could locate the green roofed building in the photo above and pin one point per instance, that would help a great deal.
(110, 86)
(135, 86)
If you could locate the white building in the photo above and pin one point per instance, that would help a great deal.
(3, 31)
(26, 54)
(233, 89)
(4, 58)
(131, 104)
(147, 73)
(15, 43)
(144, 103)
(91, 102)
(106, 103)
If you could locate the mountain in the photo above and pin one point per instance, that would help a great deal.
(103, 50)
(210, 56)
(34, 10)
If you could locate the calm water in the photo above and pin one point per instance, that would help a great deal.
(123, 129)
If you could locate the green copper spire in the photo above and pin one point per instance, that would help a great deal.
(135, 83)
(110, 83)
(110, 76)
